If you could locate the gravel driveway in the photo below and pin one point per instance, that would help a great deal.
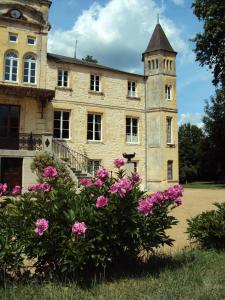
(194, 202)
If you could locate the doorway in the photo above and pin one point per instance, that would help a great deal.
(11, 171)
(9, 127)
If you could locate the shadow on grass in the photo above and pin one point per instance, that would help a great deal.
(125, 269)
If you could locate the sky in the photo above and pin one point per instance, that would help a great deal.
(117, 32)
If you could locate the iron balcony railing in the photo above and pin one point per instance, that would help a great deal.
(76, 161)
(23, 141)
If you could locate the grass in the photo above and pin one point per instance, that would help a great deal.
(195, 275)
(212, 185)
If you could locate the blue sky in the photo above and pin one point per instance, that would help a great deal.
(116, 32)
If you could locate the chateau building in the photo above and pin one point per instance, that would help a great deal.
(85, 113)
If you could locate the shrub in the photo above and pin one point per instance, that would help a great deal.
(104, 223)
(208, 228)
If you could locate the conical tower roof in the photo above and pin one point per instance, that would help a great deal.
(159, 41)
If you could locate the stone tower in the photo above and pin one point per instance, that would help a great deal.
(161, 112)
(26, 22)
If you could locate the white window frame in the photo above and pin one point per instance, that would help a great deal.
(94, 131)
(13, 35)
(132, 139)
(93, 88)
(91, 164)
(170, 170)
(31, 38)
(168, 92)
(169, 127)
(11, 60)
(132, 84)
(63, 78)
(31, 60)
(61, 124)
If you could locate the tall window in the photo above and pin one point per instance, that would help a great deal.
(169, 130)
(61, 124)
(29, 72)
(168, 92)
(62, 78)
(95, 83)
(131, 130)
(93, 166)
(94, 127)
(169, 170)
(11, 66)
(131, 88)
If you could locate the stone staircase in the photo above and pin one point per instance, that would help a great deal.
(77, 162)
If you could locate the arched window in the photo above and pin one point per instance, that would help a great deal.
(29, 70)
(11, 66)
(171, 65)
(167, 65)
(164, 64)
(156, 63)
(149, 65)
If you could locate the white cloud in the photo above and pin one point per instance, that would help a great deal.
(117, 33)
(178, 2)
(193, 118)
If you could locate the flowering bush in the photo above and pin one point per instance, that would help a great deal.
(107, 222)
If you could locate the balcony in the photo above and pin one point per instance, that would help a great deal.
(26, 141)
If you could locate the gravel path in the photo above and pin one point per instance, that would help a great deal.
(195, 201)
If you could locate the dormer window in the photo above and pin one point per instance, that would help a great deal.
(31, 40)
(13, 37)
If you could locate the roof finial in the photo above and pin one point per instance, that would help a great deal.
(158, 18)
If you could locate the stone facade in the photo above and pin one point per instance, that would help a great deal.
(112, 101)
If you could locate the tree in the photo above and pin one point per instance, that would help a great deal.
(214, 124)
(210, 45)
(90, 58)
(190, 139)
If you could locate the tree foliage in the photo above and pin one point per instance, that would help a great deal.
(190, 140)
(214, 124)
(210, 45)
(90, 58)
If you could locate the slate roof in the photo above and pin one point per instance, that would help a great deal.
(159, 41)
(71, 60)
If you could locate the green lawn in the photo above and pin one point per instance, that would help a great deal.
(197, 275)
(205, 185)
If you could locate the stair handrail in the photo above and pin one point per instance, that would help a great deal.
(76, 160)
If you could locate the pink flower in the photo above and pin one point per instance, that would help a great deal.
(45, 187)
(158, 198)
(136, 177)
(101, 201)
(145, 206)
(102, 173)
(98, 183)
(121, 187)
(86, 182)
(174, 193)
(3, 188)
(79, 229)
(119, 162)
(50, 172)
(16, 190)
(41, 226)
